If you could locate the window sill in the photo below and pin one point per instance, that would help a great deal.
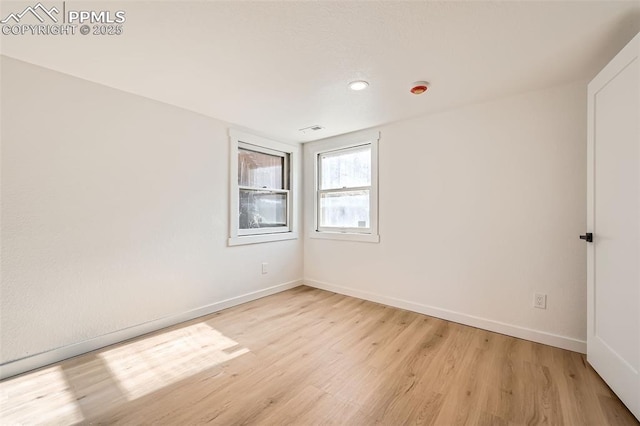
(346, 236)
(264, 238)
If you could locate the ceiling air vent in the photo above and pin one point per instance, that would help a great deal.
(311, 129)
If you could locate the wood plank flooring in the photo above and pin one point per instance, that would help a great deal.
(307, 356)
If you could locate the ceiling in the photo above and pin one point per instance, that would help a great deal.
(276, 67)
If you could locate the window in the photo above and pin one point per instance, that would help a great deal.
(263, 184)
(344, 188)
(346, 196)
(261, 190)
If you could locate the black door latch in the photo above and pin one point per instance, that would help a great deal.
(588, 237)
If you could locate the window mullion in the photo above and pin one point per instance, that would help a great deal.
(253, 188)
(345, 189)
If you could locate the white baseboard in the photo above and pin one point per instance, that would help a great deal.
(42, 359)
(550, 339)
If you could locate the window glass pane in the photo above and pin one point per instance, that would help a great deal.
(346, 169)
(262, 209)
(348, 209)
(260, 170)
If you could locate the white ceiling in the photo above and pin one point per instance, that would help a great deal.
(276, 67)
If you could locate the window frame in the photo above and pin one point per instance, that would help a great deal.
(319, 191)
(241, 140)
(286, 184)
(337, 144)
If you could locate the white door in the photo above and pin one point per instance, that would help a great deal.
(613, 217)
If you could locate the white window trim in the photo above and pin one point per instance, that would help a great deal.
(238, 138)
(345, 142)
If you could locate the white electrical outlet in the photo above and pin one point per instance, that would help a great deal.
(265, 267)
(540, 300)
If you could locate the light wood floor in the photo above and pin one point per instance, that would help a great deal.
(308, 356)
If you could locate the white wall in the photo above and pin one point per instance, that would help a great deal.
(480, 207)
(115, 212)
(114, 215)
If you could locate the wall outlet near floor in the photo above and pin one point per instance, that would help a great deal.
(540, 300)
(265, 267)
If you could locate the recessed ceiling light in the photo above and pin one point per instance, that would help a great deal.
(358, 85)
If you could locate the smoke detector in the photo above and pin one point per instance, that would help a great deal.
(419, 87)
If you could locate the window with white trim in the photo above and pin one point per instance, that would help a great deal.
(346, 190)
(261, 196)
(263, 189)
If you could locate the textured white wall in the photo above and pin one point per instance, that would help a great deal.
(114, 213)
(480, 207)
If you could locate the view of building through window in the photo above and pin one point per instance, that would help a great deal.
(262, 182)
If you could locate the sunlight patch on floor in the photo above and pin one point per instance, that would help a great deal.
(41, 397)
(144, 366)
